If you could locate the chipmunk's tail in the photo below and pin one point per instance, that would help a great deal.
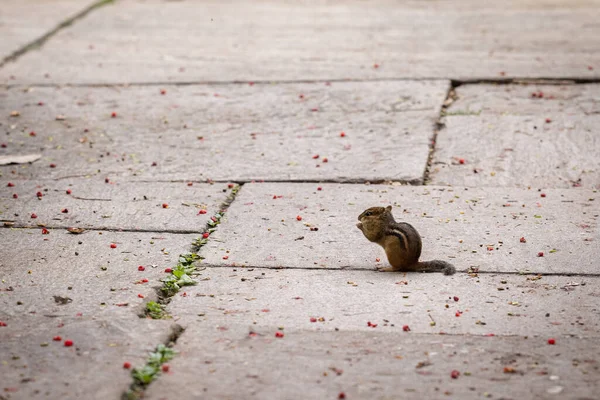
(436, 266)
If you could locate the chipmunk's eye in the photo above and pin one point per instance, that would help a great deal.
(368, 214)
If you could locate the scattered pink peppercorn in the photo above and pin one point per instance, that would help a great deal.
(375, 66)
(342, 134)
(548, 120)
(165, 205)
(458, 314)
(45, 231)
(590, 67)
(454, 374)
(64, 211)
(10, 184)
(542, 194)
(406, 328)
(163, 91)
(33, 215)
(315, 156)
(190, 183)
(32, 133)
(523, 240)
(141, 296)
(3, 145)
(456, 298)
(39, 194)
(299, 218)
(113, 115)
(225, 257)
(205, 235)
(168, 270)
(165, 368)
(314, 109)
(57, 338)
(113, 246)
(141, 268)
(313, 319)
(325, 160)
(377, 259)
(126, 365)
(52, 165)
(2, 323)
(15, 196)
(68, 191)
(461, 160)
(106, 180)
(202, 212)
(68, 343)
(230, 185)
(278, 334)
(551, 341)
(341, 395)
(541, 254)
(319, 188)
(154, 164)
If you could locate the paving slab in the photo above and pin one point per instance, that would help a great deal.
(325, 301)
(225, 132)
(548, 141)
(226, 41)
(469, 227)
(34, 366)
(95, 204)
(375, 365)
(19, 26)
(60, 274)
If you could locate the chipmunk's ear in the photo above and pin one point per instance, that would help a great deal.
(388, 208)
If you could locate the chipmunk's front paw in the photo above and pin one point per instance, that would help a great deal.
(385, 269)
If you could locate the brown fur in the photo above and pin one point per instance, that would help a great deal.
(400, 240)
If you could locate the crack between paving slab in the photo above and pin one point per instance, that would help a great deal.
(400, 274)
(37, 43)
(12, 225)
(455, 82)
(149, 372)
(439, 125)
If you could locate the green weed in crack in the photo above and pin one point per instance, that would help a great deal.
(143, 376)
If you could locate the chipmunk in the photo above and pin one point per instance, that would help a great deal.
(401, 242)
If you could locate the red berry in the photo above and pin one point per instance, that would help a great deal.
(299, 218)
(315, 156)
(113, 246)
(314, 109)
(548, 120)
(113, 115)
(3, 145)
(45, 231)
(68, 343)
(313, 319)
(165, 368)
(230, 185)
(2, 323)
(461, 160)
(126, 365)
(541, 254)
(57, 338)
(39, 194)
(144, 280)
(34, 215)
(342, 395)
(64, 211)
(319, 188)
(141, 296)
(278, 334)
(590, 67)
(202, 212)
(141, 268)
(377, 259)
(454, 374)
(10, 184)
(542, 194)
(52, 165)
(190, 183)
(205, 235)
(457, 314)
(154, 164)
(68, 191)
(165, 205)
(301, 96)
(406, 328)
(106, 180)
(32, 133)
(522, 240)
(343, 134)
(225, 257)
(551, 341)
(163, 91)
(168, 270)
(15, 196)
(456, 298)
(325, 160)
(375, 66)
(40, 103)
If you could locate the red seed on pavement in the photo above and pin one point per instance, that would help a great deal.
(523, 240)
(64, 211)
(141, 268)
(52, 165)
(541, 254)
(106, 180)
(225, 257)
(341, 395)
(454, 374)
(343, 134)
(39, 194)
(548, 120)
(456, 298)
(461, 160)
(201, 212)
(15, 196)
(33, 215)
(205, 235)
(325, 160)
(313, 319)
(542, 194)
(165, 205)
(230, 185)
(168, 270)
(113, 246)
(278, 334)
(165, 368)
(319, 188)
(163, 91)
(68, 343)
(299, 218)
(141, 296)
(10, 184)
(2, 323)
(551, 341)
(375, 66)
(406, 328)
(113, 115)
(144, 280)
(126, 365)
(57, 338)
(315, 156)
(45, 231)
(68, 191)
(32, 133)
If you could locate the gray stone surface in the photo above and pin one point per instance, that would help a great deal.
(375, 365)
(37, 267)
(468, 227)
(34, 366)
(499, 304)
(24, 21)
(130, 41)
(524, 141)
(226, 132)
(117, 205)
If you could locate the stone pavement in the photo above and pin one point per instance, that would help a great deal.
(200, 166)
